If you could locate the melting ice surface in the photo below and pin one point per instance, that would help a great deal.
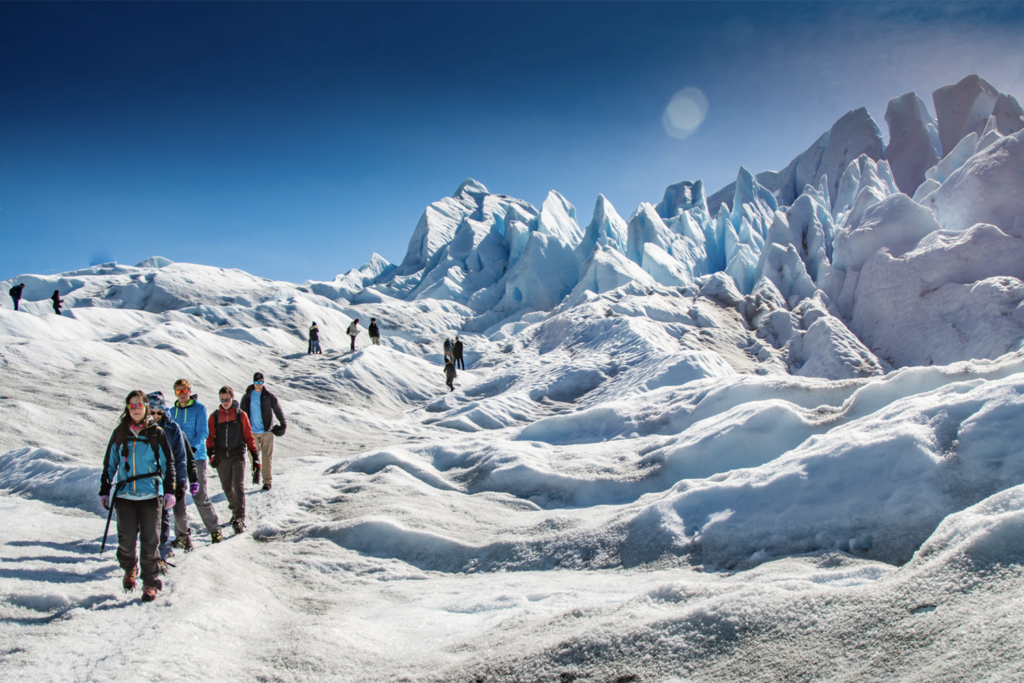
(767, 434)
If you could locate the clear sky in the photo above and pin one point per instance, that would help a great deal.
(293, 140)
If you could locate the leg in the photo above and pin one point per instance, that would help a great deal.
(224, 472)
(202, 498)
(353, 342)
(165, 532)
(180, 518)
(236, 467)
(16, 302)
(375, 340)
(149, 531)
(265, 442)
(127, 532)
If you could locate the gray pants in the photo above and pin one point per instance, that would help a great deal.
(140, 518)
(232, 479)
(202, 500)
(265, 442)
(375, 341)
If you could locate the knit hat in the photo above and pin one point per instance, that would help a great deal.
(256, 376)
(156, 401)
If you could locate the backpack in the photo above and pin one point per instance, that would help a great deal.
(14, 291)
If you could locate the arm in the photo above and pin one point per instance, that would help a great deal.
(105, 474)
(276, 406)
(250, 441)
(193, 474)
(211, 435)
(165, 449)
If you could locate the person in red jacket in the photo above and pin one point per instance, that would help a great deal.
(230, 436)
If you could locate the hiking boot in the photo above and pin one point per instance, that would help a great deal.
(149, 593)
(183, 543)
(130, 577)
(266, 487)
(238, 525)
(215, 536)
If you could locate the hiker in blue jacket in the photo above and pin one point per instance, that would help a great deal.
(184, 467)
(189, 414)
(137, 478)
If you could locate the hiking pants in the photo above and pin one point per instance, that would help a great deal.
(231, 471)
(139, 518)
(165, 532)
(202, 498)
(181, 515)
(16, 302)
(458, 362)
(314, 346)
(265, 442)
(353, 342)
(375, 341)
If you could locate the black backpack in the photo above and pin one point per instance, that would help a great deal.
(227, 449)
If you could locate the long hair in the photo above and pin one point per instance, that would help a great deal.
(125, 421)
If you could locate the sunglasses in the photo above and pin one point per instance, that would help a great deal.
(226, 400)
(179, 392)
(260, 382)
(136, 406)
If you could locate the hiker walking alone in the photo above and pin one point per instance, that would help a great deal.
(353, 331)
(261, 406)
(57, 301)
(15, 293)
(314, 338)
(189, 414)
(449, 373)
(184, 469)
(230, 436)
(374, 332)
(137, 478)
(457, 353)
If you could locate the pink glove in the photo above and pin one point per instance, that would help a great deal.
(169, 501)
(193, 488)
(105, 502)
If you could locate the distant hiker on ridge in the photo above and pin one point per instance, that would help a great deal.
(139, 467)
(15, 293)
(449, 373)
(314, 338)
(230, 435)
(457, 353)
(447, 350)
(57, 301)
(261, 406)
(190, 415)
(374, 332)
(353, 331)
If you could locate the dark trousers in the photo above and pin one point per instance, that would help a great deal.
(353, 342)
(459, 362)
(56, 309)
(165, 533)
(231, 471)
(139, 518)
(16, 302)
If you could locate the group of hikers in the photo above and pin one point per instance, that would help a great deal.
(158, 452)
(352, 332)
(17, 290)
(452, 357)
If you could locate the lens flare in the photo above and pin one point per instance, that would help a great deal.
(685, 112)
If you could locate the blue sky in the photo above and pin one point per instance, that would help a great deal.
(293, 140)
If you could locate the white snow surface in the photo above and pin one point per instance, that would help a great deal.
(780, 443)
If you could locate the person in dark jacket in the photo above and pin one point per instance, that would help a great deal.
(137, 478)
(314, 338)
(185, 469)
(261, 407)
(449, 373)
(457, 354)
(189, 414)
(447, 349)
(374, 332)
(15, 293)
(229, 437)
(57, 301)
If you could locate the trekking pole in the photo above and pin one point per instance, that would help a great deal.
(110, 513)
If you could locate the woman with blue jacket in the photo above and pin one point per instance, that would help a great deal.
(138, 477)
(191, 416)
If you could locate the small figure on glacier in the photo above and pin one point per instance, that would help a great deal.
(449, 373)
(261, 406)
(57, 301)
(15, 293)
(136, 480)
(353, 331)
(448, 350)
(457, 353)
(374, 332)
(314, 338)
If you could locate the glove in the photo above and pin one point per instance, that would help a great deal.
(105, 502)
(169, 501)
(256, 467)
(193, 488)
(277, 430)
(213, 461)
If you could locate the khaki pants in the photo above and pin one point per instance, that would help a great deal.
(202, 500)
(375, 340)
(265, 442)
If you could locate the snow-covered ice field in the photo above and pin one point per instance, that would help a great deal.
(773, 440)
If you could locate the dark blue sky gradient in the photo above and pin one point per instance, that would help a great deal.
(292, 140)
